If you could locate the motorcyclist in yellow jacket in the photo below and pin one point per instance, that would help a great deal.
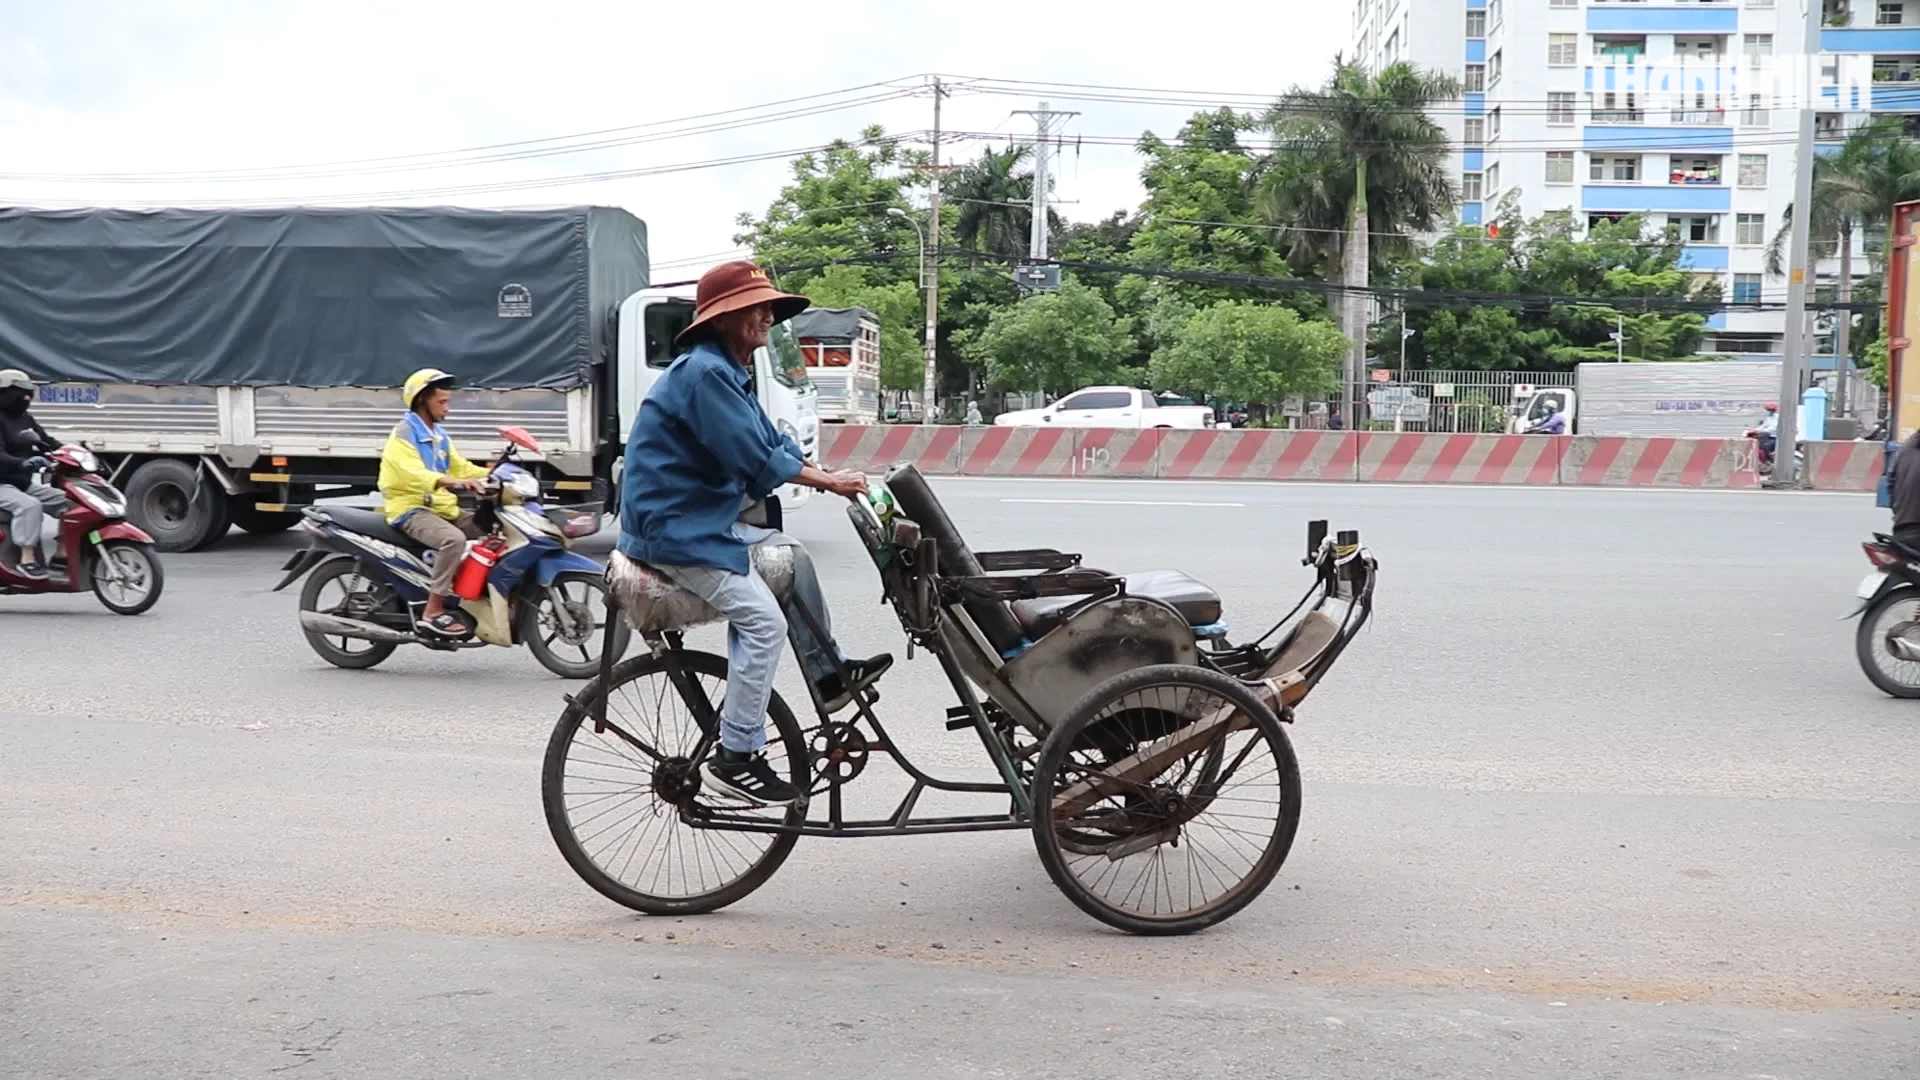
(419, 473)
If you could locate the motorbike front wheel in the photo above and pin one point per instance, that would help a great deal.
(564, 624)
(126, 577)
(1897, 613)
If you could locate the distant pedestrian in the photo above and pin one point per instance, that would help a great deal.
(973, 414)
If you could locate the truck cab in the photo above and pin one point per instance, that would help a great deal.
(648, 322)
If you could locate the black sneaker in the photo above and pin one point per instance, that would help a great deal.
(749, 778)
(834, 693)
(32, 571)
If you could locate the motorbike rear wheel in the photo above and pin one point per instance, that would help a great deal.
(1892, 675)
(358, 600)
(570, 649)
(126, 577)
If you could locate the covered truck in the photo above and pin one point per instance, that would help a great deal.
(842, 347)
(1705, 398)
(231, 366)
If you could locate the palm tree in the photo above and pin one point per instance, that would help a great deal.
(1355, 161)
(1853, 194)
(995, 197)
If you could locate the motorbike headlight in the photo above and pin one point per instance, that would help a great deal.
(86, 461)
(99, 500)
(525, 486)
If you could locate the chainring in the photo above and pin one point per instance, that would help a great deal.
(837, 752)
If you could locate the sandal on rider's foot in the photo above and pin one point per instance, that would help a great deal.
(33, 571)
(444, 625)
(834, 694)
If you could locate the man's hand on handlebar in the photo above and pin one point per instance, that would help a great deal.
(847, 484)
(478, 485)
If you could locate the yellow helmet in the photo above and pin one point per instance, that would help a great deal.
(423, 380)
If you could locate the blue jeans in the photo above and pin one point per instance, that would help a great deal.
(758, 632)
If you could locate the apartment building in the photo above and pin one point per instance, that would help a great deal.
(1604, 108)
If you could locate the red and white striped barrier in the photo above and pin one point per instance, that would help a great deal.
(1367, 457)
(1845, 466)
(1612, 461)
(1460, 459)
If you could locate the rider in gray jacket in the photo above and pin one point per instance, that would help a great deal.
(23, 446)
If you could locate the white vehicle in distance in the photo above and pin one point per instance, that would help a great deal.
(1110, 407)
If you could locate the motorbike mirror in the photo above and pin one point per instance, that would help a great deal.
(521, 438)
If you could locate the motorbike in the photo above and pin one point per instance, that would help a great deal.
(519, 584)
(1763, 458)
(96, 547)
(1888, 640)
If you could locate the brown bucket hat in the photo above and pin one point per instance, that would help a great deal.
(732, 286)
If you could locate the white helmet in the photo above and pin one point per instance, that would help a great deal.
(14, 377)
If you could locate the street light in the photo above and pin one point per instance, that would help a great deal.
(932, 332)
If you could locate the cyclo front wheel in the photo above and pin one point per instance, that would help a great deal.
(613, 798)
(1166, 800)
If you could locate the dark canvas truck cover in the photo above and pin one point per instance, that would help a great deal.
(315, 297)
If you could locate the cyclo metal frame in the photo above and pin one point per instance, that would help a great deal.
(928, 602)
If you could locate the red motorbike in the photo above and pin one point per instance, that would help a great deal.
(97, 547)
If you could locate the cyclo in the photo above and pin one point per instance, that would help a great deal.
(1142, 749)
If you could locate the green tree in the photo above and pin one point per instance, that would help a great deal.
(1198, 213)
(1854, 191)
(1355, 162)
(836, 208)
(897, 307)
(994, 201)
(1528, 319)
(1253, 352)
(1053, 341)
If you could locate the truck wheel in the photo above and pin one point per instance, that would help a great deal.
(258, 522)
(176, 506)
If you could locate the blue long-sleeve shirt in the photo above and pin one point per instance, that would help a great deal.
(700, 447)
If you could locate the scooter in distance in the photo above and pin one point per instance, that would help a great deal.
(366, 581)
(96, 547)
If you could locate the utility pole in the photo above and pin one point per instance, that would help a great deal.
(1619, 338)
(1042, 175)
(1794, 354)
(930, 383)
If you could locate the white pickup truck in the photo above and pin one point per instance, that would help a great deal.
(1110, 407)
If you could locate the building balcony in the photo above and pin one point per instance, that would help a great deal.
(1703, 18)
(1655, 198)
(1619, 116)
(1698, 117)
(1704, 257)
(1694, 176)
(1904, 38)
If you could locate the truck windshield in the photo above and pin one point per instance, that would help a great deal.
(784, 356)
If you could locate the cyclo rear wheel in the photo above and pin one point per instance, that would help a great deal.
(613, 799)
(1166, 800)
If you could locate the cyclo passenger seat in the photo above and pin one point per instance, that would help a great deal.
(1008, 626)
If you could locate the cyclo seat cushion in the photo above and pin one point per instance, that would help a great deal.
(654, 603)
(1195, 602)
(372, 523)
(914, 498)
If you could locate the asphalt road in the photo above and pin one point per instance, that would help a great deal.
(1602, 793)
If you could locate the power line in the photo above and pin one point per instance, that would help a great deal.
(515, 150)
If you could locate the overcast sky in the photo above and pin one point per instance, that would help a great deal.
(146, 87)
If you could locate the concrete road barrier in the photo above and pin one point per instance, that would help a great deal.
(1366, 457)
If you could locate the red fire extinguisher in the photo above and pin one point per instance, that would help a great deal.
(470, 581)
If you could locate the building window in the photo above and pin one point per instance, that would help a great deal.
(1755, 114)
(1560, 108)
(1594, 221)
(1619, 50)
(1474, 132)
(1829, 127)
(1759, 3)
(1695, 228)
(1495, 11)
(1477, 23)
(1699, 169)
(1476, 78)
(1614, 107)
(1890, 15)
(1493, 68)
(1618, 168)
(1758, 46)
(1698, 48)
(1563, 3)
(1563, 50)
(1393, 46)
(1493, 123)
(1753, 170)
(1750, 230)
(1493, 180)
(1746, 288)
(1559, 166)
(1470, 187)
